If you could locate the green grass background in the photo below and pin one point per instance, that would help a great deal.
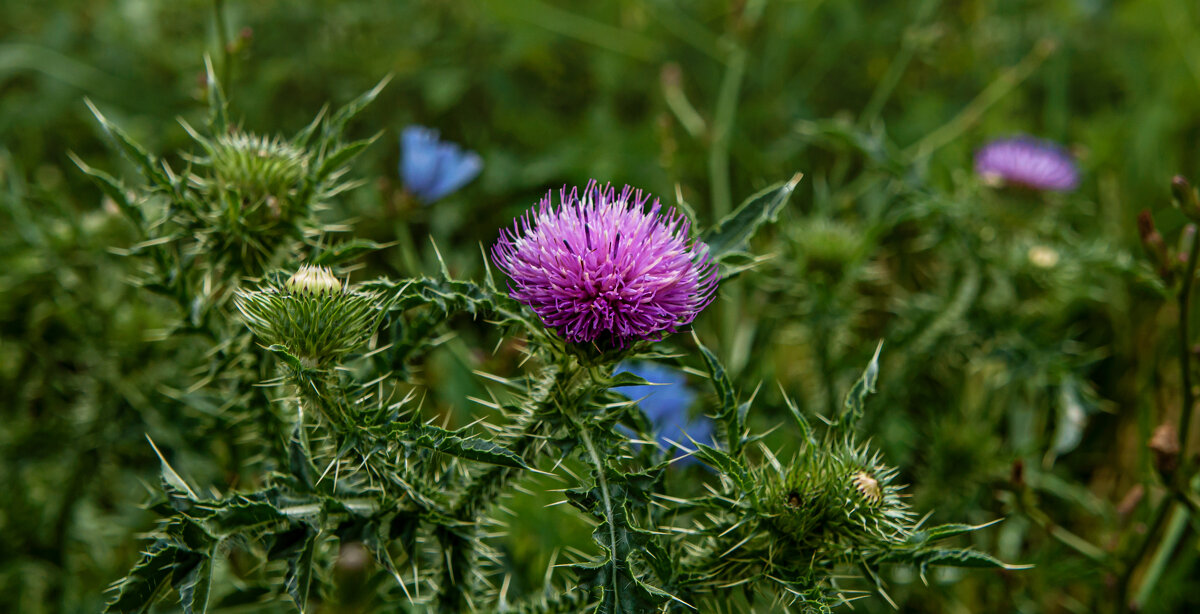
(990, 359)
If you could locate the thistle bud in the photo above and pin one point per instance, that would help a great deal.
(1186, 239)
(311, 315)
(1185, 197)
(351, 571)
(313, 281)
(1165, 445)
(838, 494)
(1153, 242)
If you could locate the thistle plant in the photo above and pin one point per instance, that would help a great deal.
(240, 206)
(360, 502)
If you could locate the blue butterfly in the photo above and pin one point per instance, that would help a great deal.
(431, 168)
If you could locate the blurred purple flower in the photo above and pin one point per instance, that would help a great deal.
(667, 406)
(432, 168)
(600, 267)
(1029, 162)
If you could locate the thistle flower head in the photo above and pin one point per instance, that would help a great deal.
(1028, 162)
(602, 268)
(432, 168)
(667, 405)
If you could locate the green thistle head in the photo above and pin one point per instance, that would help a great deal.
(827, 246)
(263, 177)
(312, 315)
(257, 195)
(841, 495)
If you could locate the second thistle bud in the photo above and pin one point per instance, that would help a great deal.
(1153, 242)
(1185, 195)
(312, 315)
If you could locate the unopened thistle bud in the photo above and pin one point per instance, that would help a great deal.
(1153, 242)
(841, 494)
(1187, 239)
(312, 315)
(1164, 443)
(1186, 197)
(252, 171)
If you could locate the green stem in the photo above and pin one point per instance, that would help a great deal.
(1185, 350)
(1005, 83)
(886, 85)
(1162, 556)
(223, 41)
(1069, 539)
(608, 509)
(726, 113)
(722, 199)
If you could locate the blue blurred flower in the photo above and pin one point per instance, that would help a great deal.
(432, 168)
(667, 405)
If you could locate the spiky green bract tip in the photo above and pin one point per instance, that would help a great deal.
(311, 314)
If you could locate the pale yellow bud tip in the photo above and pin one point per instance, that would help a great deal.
(314, 280)
(868, 487)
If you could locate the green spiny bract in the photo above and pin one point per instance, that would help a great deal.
(311, 315)
(826, 247)
(835, 496)
(242, 205)
(803, 533)
(256, 195)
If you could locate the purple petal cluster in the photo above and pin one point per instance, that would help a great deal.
(667, 406)
(431, 168)
(601, 267)
(1028, 162)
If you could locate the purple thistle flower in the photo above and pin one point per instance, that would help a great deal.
(667, 406)
(600, 267)
(431, 168)
(1029, 162)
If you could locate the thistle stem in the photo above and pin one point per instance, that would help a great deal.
(608, 509)
(223, 41)
(1185, 350)
(1175, 530)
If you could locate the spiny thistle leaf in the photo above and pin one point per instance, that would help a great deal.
(146, 581)
(194, 583)
(352, 108)
(472, 448)
(946, 531)
(852, 408)
(732, 234)
(727, 465)
(299, 569)
(112, 188)
(131, 149)
(728, 413)
(218, 107)
(962, 558)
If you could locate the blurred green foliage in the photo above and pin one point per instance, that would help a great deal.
(1028, 355)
